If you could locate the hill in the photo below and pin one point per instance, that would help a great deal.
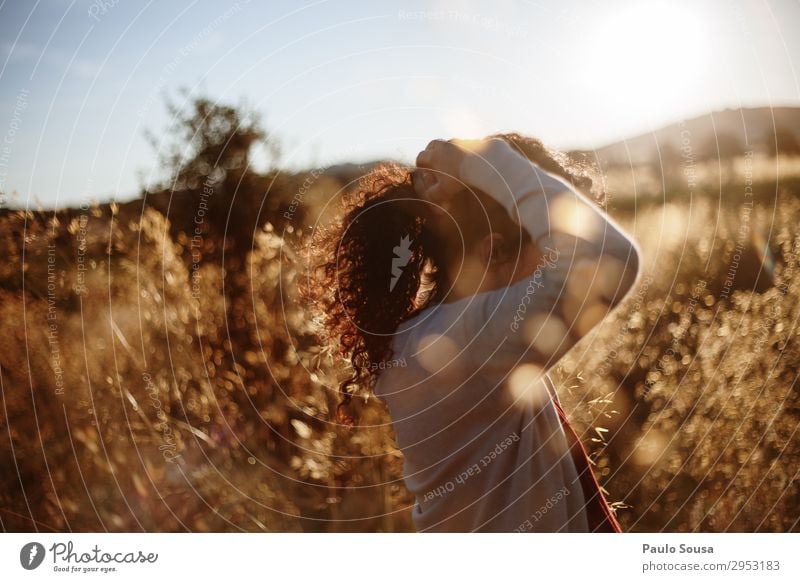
(727, 133)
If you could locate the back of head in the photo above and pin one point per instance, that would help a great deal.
(391, 254)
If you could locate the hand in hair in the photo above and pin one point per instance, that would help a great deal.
(439, 173)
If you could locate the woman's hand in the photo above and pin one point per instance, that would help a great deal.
(440, 166)
(436, 177)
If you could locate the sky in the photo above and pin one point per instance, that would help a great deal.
(82, 81)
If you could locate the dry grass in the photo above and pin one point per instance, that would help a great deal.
(178, 408)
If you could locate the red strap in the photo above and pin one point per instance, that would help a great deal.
(600, 516)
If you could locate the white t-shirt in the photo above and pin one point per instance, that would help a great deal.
(472, 406)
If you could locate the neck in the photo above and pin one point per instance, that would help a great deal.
(470, 282)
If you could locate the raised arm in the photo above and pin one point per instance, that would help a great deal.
(587, 263)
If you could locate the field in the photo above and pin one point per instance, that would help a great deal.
(150, 386)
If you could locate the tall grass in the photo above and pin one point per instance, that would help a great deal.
(144, 392)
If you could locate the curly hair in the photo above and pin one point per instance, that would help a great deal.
(360, 296)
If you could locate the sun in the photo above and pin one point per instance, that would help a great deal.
(646, 54)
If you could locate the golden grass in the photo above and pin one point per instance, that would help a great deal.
(144, 403)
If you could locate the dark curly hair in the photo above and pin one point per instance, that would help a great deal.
(350, 280)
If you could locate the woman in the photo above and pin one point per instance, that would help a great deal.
(451, 290)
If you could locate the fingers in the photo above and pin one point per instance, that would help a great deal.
(426, 181)
(424, 159)
(427, 157)
(437, 169)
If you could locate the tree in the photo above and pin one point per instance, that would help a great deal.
(208, 139)
(209, 192)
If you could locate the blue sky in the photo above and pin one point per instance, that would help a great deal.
(80, 81)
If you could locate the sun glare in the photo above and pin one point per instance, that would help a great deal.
(646, 54)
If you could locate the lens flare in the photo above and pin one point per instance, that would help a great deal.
(527, 387)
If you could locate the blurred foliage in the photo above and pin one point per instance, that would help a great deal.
(151, 382)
